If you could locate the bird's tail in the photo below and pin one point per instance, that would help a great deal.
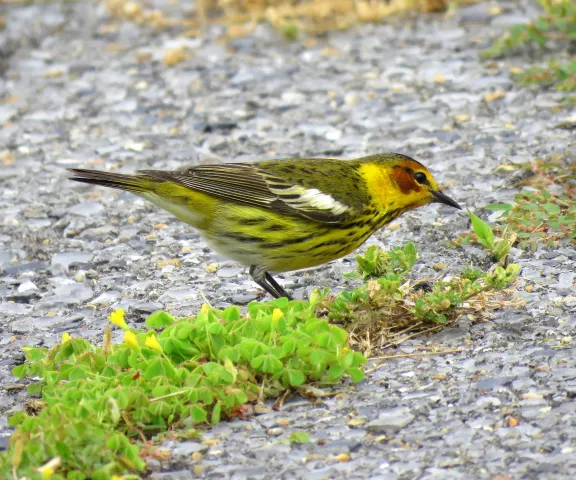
(131, 183)
(192, 207)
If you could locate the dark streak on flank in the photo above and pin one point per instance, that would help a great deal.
(239, 237)
(385, 219)
(275, 227)
(250, 222)
(369, 211)
(291, 241)
(339, 241)
(342, 250)
(359, 239)
(358, 223)
(280, 257)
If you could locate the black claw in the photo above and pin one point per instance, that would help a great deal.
(267, 282)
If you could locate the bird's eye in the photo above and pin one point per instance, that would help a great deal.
(420, 178)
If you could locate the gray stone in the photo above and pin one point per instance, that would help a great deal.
(390, 420)
(186, 449)
(67, 258)
(566, 282)
(174, 475)
(86, 209)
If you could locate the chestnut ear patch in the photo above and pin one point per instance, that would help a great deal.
(404, 179)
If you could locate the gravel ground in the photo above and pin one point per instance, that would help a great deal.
(80, 90)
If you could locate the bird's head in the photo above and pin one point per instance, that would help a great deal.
(404, 183)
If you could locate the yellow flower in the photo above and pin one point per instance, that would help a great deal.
(117, 318)
(277, 314)
(205, 308)
(130, 339)
(47, 470)
(65, 338)
(152, 342)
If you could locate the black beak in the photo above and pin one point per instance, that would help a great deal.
(445, 199)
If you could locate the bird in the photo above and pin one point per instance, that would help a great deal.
(285, 214)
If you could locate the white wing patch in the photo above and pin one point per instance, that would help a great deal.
(311, 198)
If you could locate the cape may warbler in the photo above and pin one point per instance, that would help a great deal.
(283, 215)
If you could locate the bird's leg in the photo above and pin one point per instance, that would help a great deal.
(267, 282)
(281, 292)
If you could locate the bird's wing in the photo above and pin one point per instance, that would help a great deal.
(272, 189)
